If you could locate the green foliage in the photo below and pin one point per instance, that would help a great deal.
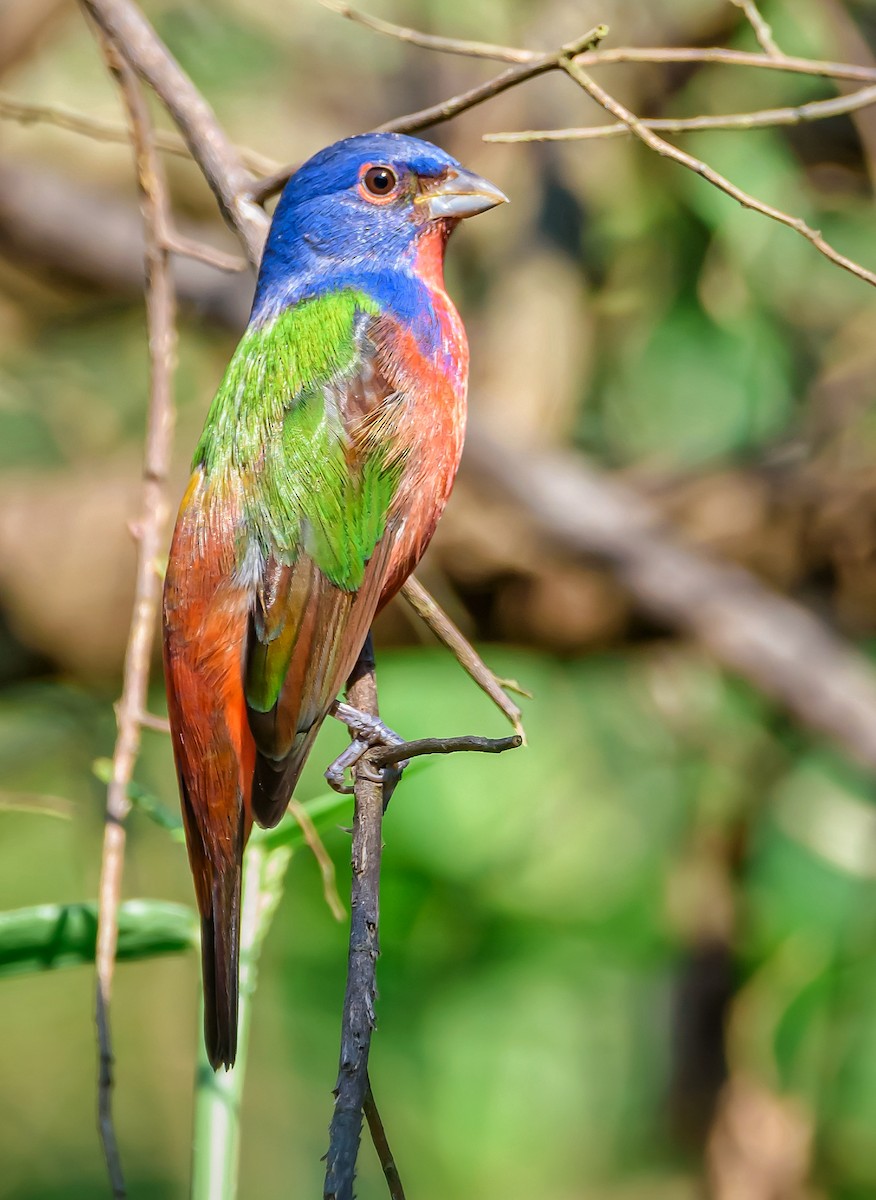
(63, 935)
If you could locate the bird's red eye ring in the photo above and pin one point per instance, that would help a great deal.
(379, 183)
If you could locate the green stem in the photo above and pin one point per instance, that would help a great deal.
(218, 1095)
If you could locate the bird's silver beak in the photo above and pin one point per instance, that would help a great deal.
(459, 194)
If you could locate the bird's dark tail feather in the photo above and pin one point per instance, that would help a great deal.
(220, 959)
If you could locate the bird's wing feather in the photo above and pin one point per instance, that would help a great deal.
(336, 469)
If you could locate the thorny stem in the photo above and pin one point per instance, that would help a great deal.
(161, 311)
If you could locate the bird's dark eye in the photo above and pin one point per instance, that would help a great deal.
(380, 181)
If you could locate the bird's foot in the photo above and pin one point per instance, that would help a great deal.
(368, 731)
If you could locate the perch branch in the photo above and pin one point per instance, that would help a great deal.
(358, 1015)
(160, 308)
(785, 651)
(387, 756)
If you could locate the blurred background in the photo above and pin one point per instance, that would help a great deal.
(638, 958)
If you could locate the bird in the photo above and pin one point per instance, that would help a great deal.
(327, 457)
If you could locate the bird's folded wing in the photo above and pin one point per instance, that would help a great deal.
(333, 476)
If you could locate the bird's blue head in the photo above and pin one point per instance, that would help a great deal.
(359, 212)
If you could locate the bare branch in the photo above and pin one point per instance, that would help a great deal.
(152, 721)
(387, 756)
(100, 130)
(381, 1145)
(358, 1016)
(762, 31)
(430, 612)
(730, 58)
(529, 65)
(161, 308)
(667, 150)
(429, 41)
(815, 110)
(781, 648)
(229, 180)
(178, 243)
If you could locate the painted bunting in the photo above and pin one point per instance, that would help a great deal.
(326, 460)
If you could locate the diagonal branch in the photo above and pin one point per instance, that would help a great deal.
(220, 163)
(762, 30)
(429, 41)
(428, 610)
(527, 65)
(161, 309)
(667, 150)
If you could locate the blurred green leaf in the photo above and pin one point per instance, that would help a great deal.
(64, 935)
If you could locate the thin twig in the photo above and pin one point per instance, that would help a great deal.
(319, 852)
(178, 243)
(430, 612)
(387, 756)
(220, 163)
(528, 64)
(381, 1144)
(101, 130)
(667, 150)
(161, 308)
(762, 31)
(429, 41)
(358, 1016)
(732, 58)
(152, 721)
(815, 110)
(537, 64)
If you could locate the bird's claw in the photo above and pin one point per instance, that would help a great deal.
(368, 731)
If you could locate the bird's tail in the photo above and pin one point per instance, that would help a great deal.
(220, 961)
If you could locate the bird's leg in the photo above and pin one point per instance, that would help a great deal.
(368, 731)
